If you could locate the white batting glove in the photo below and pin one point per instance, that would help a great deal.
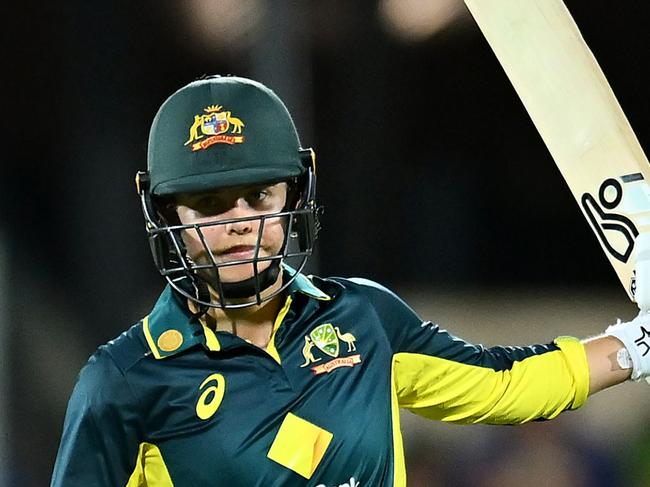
(635, 335)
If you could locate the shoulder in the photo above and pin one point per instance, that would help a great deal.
(373, 291)
(334, 285)
(107, 369)
(105, 420)
(361, 284)
(128, 348)
(391, 311)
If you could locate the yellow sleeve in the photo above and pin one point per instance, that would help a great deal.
(535, 387)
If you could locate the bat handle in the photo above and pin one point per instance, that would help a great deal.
(642, 275)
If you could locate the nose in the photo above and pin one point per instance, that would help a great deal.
(240, 210)
(239, 228)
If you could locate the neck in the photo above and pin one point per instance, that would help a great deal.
(253, 323)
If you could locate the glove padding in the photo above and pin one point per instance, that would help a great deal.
(635, 335)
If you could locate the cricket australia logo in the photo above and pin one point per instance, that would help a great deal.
(327, 338)
(214, 124)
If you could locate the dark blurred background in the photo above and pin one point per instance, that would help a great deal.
(434, 180)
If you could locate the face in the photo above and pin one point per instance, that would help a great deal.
(233, 241)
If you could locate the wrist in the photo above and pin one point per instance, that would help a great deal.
(624, 359)
(635, 345)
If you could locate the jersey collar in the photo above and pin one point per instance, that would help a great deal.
(304, 285)
(169, 329)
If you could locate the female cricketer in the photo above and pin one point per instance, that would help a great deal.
(249, 373)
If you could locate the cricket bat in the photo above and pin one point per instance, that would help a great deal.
(582, 124)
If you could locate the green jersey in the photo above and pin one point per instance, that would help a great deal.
(173, 403)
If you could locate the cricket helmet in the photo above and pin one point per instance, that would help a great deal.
(219, 132)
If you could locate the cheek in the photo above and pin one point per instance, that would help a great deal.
(193, 242)
(274, 235)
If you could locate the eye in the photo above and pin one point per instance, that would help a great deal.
(207, 204)
(206, 201)
(258, 195)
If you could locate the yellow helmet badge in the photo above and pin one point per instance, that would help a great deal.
(213, 127)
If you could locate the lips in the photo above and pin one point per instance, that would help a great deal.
(239, 251)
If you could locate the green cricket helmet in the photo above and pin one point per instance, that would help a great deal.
(220, 132)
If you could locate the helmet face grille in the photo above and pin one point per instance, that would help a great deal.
(193, 278)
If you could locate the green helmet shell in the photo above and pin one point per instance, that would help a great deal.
(219, 132)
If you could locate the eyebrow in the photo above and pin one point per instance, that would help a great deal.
(228, 192)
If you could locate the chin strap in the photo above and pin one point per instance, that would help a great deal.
(199, 287)
(233, 290)
(247, 288)
(203, 294)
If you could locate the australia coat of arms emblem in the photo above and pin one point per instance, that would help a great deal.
(327, 338)
(215, 126)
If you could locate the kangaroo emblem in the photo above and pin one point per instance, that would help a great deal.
(307, 353)
(236, 123)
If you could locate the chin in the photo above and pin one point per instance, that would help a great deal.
(238, 273)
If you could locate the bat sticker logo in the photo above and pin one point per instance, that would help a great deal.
(602, 220)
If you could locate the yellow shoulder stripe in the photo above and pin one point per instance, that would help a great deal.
(150, 340)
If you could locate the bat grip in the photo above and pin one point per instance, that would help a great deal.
(642, 292)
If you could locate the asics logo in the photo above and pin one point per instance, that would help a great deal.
(214, 386)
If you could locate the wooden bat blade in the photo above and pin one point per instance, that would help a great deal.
(577, 115)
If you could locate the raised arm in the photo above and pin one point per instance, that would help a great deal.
(604, 369)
